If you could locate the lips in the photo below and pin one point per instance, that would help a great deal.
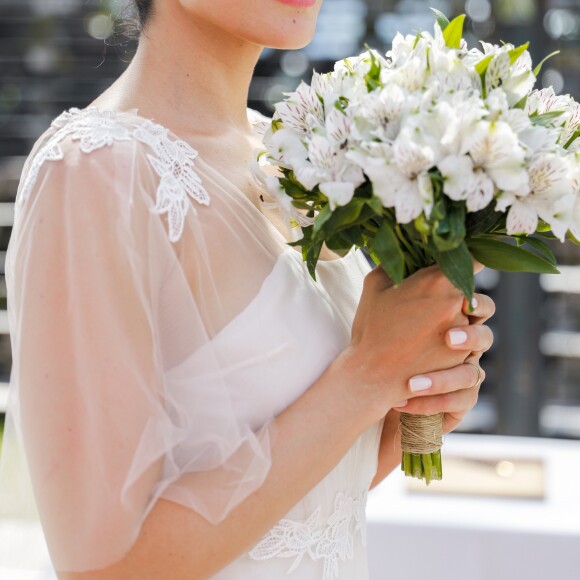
(301, 3)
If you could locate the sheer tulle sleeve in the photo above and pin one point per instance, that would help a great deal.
(118, 396)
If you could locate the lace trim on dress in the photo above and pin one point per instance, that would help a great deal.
(172, 159)
(331, 542)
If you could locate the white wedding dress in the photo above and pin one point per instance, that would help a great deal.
(159, 323)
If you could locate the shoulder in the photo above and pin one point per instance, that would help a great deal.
(120, 151)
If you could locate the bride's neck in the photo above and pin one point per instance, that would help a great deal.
(189, 75)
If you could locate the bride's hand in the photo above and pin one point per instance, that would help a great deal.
(455, 391)
(403, 335)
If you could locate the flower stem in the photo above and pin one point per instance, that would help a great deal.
(425, 466)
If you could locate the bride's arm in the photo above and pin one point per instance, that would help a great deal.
(100, 426)
(314, 433)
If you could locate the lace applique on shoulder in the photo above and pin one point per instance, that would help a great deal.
(172, 159)
(333, 541)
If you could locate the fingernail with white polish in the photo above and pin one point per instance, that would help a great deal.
(474, 302)
(420, 384)
(457, 337)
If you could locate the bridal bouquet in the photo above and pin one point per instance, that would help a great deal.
(432, 153)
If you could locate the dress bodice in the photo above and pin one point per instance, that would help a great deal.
(323, 536)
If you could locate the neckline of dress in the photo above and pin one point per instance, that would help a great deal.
(134, 111)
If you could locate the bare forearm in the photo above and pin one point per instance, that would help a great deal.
(311, 437)
(389, 448)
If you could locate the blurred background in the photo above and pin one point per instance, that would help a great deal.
(55, 54)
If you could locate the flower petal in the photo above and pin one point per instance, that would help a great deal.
(522, 218)
(338, 193)
(457, 172)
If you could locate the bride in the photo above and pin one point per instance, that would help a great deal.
(189, 402)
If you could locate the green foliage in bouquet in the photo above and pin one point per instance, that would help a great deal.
(499, 199)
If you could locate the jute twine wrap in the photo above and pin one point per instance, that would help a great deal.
(421, 433)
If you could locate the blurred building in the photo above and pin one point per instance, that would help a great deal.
(55, 54)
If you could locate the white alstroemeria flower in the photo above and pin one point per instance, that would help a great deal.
(558, 213)
(411, 75)
(337, 192)
(551, 181)
(443, 127)
(575, 214)
(545, 100)
(359, 64)
(286, 148)
(521, 80)
(497, 104)
(328, 167)
(517, 120)
(550, 176)
(301, 110)
(338, 127)
(539, 139)
(392, 101)
(281, 200)
(375, 115)
(440, 84)
(575, 147)
(370, 153)
(403, 183)
(522, 217)
(495, 148)
(572, 123)
(401, 49)
(497, 70)
(499, 110)
(411, 158)
(463, 181)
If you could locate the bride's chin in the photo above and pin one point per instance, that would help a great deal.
(278, 24)
(293, 40)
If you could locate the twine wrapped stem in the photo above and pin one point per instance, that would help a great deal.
(421, 441)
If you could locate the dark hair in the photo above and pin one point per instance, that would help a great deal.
(145, 10)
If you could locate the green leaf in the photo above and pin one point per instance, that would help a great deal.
(575, 136)
(441, 18)
(375, 204)
(539, 67)
(454, 32)
(543, 226)
(521, 104)
(450, 232)
(373, 76)
(507, 257)
(277, 124)
(323, 216)
(299, 204)
(481, 66)
(570, 236)
(345, 215)
(311, 254)
(545, 119)
(483, 221)
(385, 246)
(457, 265)
(542, 248)
(292, 189)
(517, 52)
(344, 240)
(341, 103)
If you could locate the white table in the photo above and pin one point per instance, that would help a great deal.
(443, 537)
